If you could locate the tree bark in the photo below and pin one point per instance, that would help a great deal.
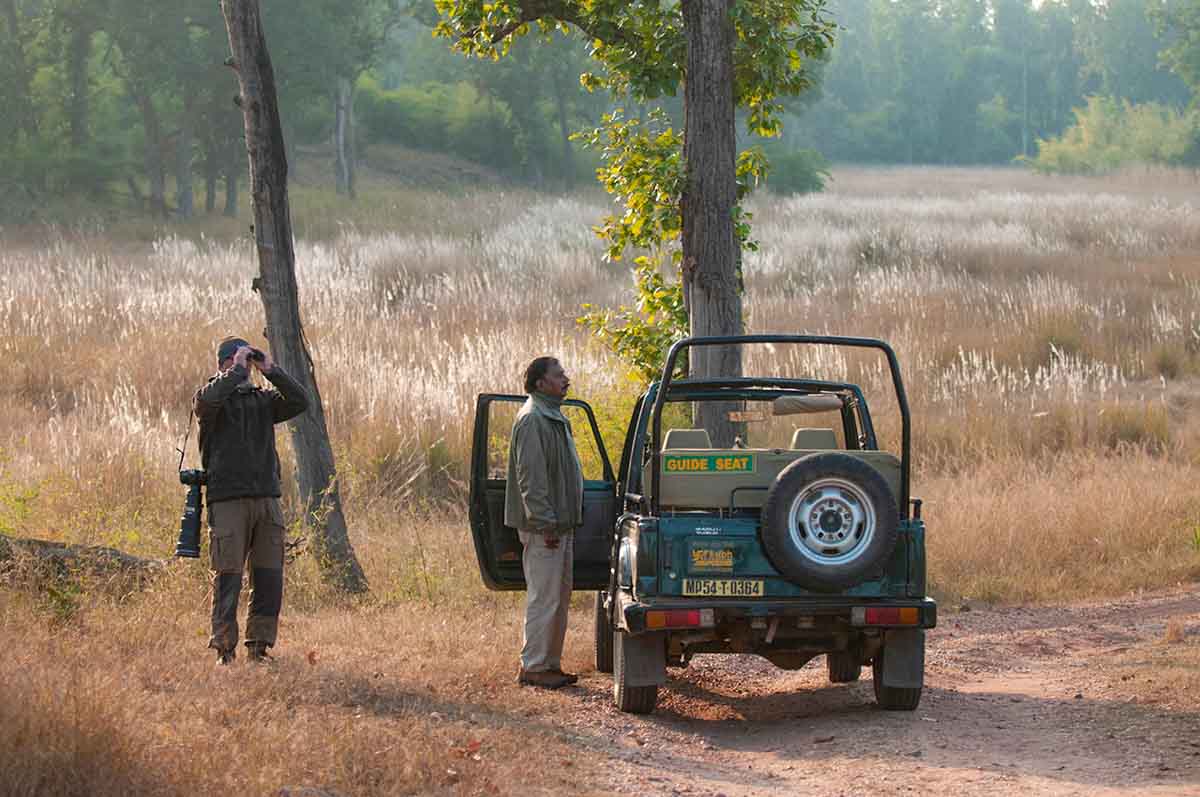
(564, 127)
(155, 170)
(343, 133)
(231, 187)
(711, 256)
(185, 202)
(317, 476)
(26, 114)
(80, 50)
(212, 173)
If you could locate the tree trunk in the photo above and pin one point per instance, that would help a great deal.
(155, 170)
(232, 170)
(212, 172)
(25, 112)
(343, 132)
(317, 476)
(711, 256)
(77, 67)
(564, 128)
(184, 195)
(63, 559)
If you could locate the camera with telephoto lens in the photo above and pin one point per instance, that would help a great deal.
(188, 545)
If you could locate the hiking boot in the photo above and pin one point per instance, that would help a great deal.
(259, 655)
(226, 657)
(570, 676)
(546, 679)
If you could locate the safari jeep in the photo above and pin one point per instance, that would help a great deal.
(790, 542)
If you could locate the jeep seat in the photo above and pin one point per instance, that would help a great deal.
(686, 439)
(814, 439)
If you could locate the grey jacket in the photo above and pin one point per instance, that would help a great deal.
(544, 492)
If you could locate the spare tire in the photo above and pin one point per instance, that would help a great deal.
(830, 521)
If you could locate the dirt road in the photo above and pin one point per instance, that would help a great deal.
(1099, 698)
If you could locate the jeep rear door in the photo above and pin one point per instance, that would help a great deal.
(497, 546)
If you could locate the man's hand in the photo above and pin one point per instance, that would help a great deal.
(241, 356)
(551, 541)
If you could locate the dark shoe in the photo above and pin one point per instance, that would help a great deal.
(259, 655)
(226, 657)
(546, 679)
(570, 676)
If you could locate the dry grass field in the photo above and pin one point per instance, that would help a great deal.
(1049, 332)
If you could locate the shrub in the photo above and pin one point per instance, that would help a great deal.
(449, 118)
(795, 171)
(1109, 134)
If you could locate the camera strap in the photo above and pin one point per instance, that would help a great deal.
(186, 434)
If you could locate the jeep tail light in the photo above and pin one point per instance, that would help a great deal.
(885, 615)
(679, 618)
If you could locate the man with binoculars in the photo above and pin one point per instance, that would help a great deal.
(241, 468)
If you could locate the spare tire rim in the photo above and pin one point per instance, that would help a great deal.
(831, 522)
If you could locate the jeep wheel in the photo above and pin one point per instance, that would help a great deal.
(830, 521)
(843, 667)
(892, 698)
(630, 699)
(603, 641)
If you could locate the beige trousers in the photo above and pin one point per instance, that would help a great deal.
(548, 581)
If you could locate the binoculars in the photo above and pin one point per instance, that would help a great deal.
(188, 545)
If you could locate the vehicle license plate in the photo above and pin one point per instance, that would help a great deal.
(722, 587)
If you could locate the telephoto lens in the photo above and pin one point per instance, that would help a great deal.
(188, 545)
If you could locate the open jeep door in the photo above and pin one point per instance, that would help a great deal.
(497, 546)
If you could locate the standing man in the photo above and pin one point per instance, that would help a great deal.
(237, 450)
(543, 501)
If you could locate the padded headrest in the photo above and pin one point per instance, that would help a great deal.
(814, 438)
(687, 438)
(815, 402)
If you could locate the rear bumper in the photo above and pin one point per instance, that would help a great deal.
(824, 612)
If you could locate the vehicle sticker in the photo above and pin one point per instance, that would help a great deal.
(708, 463)
(705, 559)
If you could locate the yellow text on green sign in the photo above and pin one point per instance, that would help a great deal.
(708, 463)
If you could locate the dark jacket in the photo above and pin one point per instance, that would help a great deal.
(237, 432)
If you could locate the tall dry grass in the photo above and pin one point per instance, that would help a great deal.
(1049, 333)
(117, 701)
(1036, 321)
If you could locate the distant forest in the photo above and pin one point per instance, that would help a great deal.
(973, 82)
(131, 99)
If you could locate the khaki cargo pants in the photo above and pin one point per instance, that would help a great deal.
(241, 529)
(548, 583)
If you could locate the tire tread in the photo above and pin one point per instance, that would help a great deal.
(630, 699)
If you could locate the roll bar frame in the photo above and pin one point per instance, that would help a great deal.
(660, 399)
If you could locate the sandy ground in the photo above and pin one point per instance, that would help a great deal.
(1097, 698)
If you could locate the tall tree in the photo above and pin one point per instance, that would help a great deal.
(276, 285)
(1180, 21)
(1122, 52)
(19, 34)
(711, 255)
(327, 45)
(745, 53)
